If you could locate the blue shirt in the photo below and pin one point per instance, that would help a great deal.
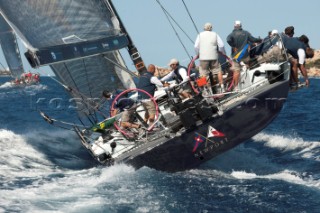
(124, 103)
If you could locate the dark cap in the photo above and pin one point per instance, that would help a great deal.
(304, 39)
(289, 31)
(107, 94)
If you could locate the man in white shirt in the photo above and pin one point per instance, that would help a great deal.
(298, 52)
(180, 74)
(207, 45)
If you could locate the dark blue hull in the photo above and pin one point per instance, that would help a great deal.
(237, 124)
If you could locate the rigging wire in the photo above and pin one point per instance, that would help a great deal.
(184, 32)
(68, 88)
(121, 67)
(81, 96)
(70, 76)
(94, 108)
(168, 18)
(85, 69)
(194, 24)
(4, 69)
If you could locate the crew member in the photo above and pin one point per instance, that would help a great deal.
(148, 82)
(180, 74)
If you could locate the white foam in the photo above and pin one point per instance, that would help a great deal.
(17, 150)
(209, 174)
(37, 87)
(6, 85)
(47, 187)
(75, 190)
(286, 175)
(16, 154)
(306, 149)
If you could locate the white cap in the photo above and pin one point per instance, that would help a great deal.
(273, 32)
(237, 23)
(173, 61)
(207, 26)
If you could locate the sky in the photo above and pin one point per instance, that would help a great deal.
(157, 42)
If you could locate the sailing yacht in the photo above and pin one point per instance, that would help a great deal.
(83, 52)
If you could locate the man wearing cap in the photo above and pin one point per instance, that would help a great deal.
(238, 40)
(207, 45)
(289, 31)
(287, 34)
(298, 51)
(180, 74)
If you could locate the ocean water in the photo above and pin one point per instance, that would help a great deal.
(45, 169)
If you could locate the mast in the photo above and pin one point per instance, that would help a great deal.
(133, 51)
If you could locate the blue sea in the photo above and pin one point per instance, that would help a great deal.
(46, 169)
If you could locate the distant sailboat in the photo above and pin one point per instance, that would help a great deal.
(10, 49)
(81, 40)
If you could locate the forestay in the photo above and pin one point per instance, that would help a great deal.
(89, 77)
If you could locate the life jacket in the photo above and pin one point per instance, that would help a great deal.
(208, 45)
(293, 45)
(146, 85)
(124, 103)
(178, 77)
(36, 77)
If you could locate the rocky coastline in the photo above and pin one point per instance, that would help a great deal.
(313, 65)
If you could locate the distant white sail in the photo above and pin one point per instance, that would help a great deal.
(10, 49)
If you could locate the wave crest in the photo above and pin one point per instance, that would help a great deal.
(307, 149)
(286, 175)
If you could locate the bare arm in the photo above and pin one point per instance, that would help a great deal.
(304, 73)
(113, 112)
(221, 45)
(301, 61)
(196, 45)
